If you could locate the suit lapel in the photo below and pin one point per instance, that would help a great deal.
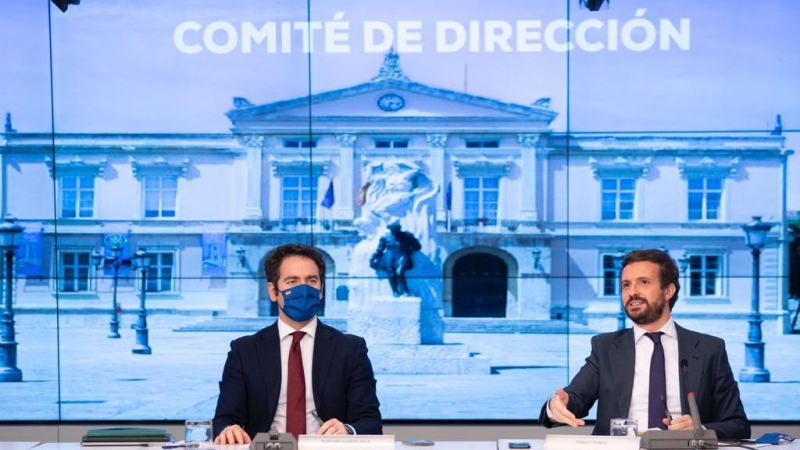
(269, 361)
(324, 348)
(688, 349)
(622, 357)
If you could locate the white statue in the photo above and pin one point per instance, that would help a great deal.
(399, 192)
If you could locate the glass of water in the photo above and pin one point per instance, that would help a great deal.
(198, 431)
(624, 427)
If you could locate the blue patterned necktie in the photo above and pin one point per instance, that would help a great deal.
(658, 384)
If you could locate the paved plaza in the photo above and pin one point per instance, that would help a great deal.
(100, 379)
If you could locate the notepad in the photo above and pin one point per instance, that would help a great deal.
(126, 436)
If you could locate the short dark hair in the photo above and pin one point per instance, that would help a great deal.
(668, 270)
(275, 257)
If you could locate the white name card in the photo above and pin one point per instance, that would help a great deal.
(358, 442)
(567, 442)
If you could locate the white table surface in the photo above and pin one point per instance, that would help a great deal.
(536, 444)
(450, 445)
(439, 445)
(19, 445)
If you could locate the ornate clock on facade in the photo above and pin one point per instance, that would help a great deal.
(391, 102)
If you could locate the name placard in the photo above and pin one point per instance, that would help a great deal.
(567, 442)
(359, 442)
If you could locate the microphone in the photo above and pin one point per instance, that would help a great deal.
(273, 440)
(693, 411)
(680, 439)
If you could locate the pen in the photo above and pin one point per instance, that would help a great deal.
(180, 445)
(666, 409)
(316, 417)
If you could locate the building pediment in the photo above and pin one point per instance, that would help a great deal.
(392, 96)
(393, 100)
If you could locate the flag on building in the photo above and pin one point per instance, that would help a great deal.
(328, 200)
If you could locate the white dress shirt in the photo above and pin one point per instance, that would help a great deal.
(307, 350)
(641, 373)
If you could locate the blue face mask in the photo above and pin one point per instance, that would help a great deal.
(300, 302)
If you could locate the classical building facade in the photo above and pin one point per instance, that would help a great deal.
(532, 220)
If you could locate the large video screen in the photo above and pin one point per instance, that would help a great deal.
(526, 145)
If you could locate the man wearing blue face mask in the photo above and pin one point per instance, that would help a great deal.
(297, 375)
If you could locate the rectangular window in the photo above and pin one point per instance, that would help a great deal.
(74, 269)
(482, 143)
(610, 276)
(160, 193)
(704, 275)
(391, 143)
(300, 143)
(481, 195)
(705, 196)
(161, 271)
(618, 195)
(299, 197)
(77, 197)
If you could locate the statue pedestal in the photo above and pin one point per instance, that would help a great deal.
(242, 292)
(395, 328)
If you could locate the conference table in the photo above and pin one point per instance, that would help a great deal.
(502, 444)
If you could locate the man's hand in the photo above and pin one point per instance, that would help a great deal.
(232, 434)
(558, 406)
(683, 422)
(333, 426)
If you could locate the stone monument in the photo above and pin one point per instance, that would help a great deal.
(396, 276)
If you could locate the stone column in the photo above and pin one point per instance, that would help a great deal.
(437, 144)
(255, 145)
(344, 195)
(529, 179)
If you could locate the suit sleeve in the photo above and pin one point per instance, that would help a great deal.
(728, 417)
(363, 412)
(582, 390)
(232, 401)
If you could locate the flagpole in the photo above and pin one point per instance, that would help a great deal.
(448, 203)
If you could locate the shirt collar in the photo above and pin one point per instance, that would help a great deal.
(668, 329)
(285, 330)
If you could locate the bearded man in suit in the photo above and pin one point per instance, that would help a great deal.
(618, 376)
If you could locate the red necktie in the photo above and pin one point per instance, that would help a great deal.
(296, 389)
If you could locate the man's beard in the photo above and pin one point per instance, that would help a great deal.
(651, 313)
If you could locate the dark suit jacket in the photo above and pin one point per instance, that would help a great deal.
(607, 377)
(342, 379)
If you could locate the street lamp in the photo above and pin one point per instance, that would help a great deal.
(683, 262)
(10, 235)
(141, 259)
(116, 261)
(617, 259)
(537, 258)
(755, 236)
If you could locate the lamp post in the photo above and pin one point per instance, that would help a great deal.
(617, 259)
(141, 259)
(537, 258)
(115, 261)
(10, 234)
(683, 262)
(755, 235)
